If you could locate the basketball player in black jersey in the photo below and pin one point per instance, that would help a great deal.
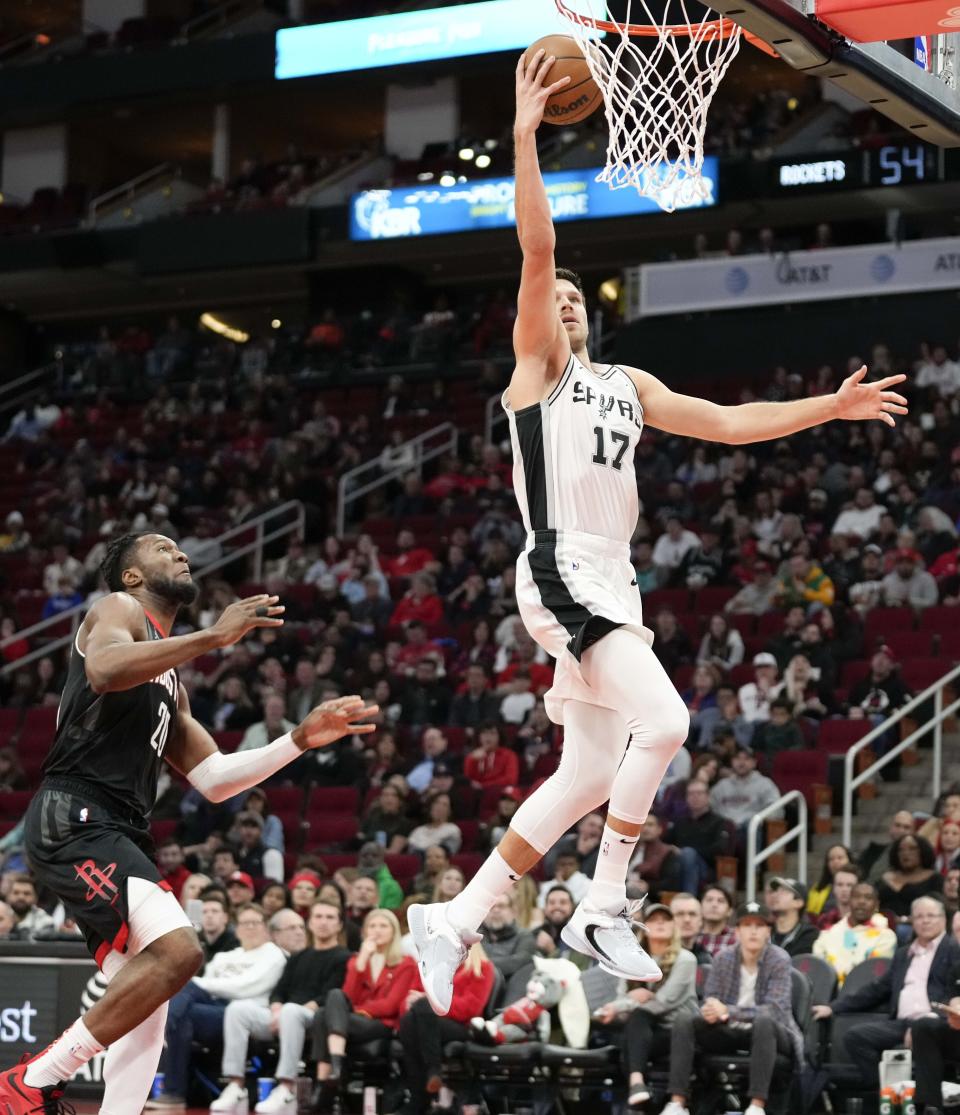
(123, 713)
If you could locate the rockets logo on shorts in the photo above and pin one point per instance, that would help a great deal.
(98, 880)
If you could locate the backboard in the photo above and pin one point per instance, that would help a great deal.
(911, 75)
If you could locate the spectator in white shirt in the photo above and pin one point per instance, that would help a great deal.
(863, 518)
(248, 972)
(755, 697)
(673, 545)
(908, 584)
(273, 725)
(939, 371)
(566, 873)
(63, 565)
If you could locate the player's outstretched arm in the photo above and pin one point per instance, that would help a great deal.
(194, 753)
(538, 338)
(117, 656)
(739, 425)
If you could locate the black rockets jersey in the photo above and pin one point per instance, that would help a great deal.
(115, 741)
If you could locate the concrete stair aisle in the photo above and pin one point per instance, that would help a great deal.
(871, 819)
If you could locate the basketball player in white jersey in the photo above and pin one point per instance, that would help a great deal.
(574, 426)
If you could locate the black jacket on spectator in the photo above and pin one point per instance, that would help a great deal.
(878, 697)
(224, 943)
(309, 975)
(707, 835)
(424, 704)
(799, 941)
(337, 765)
(884, 993)
(467, 711)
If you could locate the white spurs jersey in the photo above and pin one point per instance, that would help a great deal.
(573, 454)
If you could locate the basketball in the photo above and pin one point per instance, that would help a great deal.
(576, 101)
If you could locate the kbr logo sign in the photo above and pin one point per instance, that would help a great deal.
(15, 1023)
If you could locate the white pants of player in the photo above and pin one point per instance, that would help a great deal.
(617, 752)
(131, 1061)
(246, 1019)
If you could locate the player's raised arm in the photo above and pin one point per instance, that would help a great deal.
(740, 425)
(118, 657)
(539, 341)
(194, 753)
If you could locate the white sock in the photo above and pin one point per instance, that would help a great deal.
(75, 1046)
(608, 890)
(473, 903)
(131, 1064)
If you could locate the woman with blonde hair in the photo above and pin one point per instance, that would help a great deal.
(525, 896)
(802, 687)
(372, 999)
(649, 1014)
(423, 1034)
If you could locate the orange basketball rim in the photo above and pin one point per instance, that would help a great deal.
(705, 31)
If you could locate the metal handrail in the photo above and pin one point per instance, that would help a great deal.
(216, 19)
(799, 831)
(21, 46)
(75, 615)
(22, 382)
(127, 191)
(493, 415)
(851, 782)
(347, 494)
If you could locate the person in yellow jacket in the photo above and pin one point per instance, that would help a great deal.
(862, 935)
(805, 583)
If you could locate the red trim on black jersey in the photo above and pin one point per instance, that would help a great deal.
(154, 622)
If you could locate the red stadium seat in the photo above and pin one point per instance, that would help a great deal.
(162, 830)
(836, 737)
(742, 674)
(941, 617)
(744, 622)
(9, 722)
(332, 828)
(286, 799)
(676, 599)
(909, 644)
(470, 831)
(40, 721)
(334, 799)
(882, 622)
(769, 625)
(852, 672)
(712, 599)
(799, 770)
(920, 673)
(468, 862)
(228, 741)
(13, 804)
(949, 644)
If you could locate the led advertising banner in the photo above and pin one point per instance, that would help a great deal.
(574, 195)
(425, 36)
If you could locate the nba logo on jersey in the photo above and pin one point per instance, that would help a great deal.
(84, 814)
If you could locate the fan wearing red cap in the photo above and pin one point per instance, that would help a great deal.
(908, 584)
(240, 888)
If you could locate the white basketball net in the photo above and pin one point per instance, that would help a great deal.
(656, 94)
